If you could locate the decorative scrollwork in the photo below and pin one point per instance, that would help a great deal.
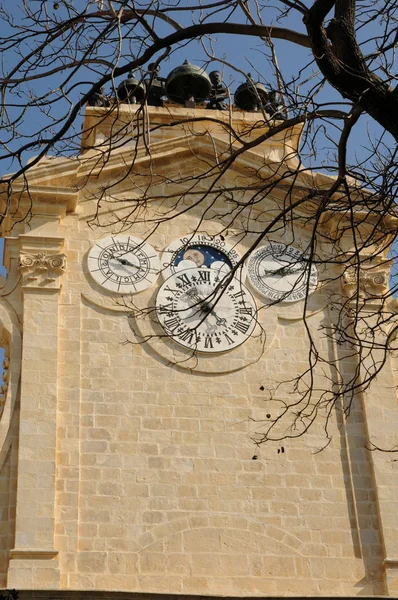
(41, 269)
(364, 283)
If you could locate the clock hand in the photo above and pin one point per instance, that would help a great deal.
(207, 309)
(274, 273)
(124, 261)
(283, 271)
(193, 294)
(293, 269)
(206, 306)
(219, 320)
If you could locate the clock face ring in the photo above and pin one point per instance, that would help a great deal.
(201, 312)
(123, 264)
(123, 261)
(199, 250)
(281, 273)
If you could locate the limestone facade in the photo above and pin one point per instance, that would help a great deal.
(129, 465)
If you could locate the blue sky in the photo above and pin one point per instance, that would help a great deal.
(246, 54)
(3, 271)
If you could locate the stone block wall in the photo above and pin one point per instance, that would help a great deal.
(140, 468)
(157, 485)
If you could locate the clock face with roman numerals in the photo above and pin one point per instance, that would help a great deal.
(123, 264)
(203, 310)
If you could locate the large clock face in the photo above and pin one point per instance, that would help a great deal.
(201, 311)
(200, 250)
(281, 273)
(123, 264)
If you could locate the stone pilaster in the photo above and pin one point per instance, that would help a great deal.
(381, 416)
(34, 558)
(370, 288)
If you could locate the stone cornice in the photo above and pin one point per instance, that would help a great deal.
(120, 161)
(196, 121)
(273, 155)
(49, 202)
(169, 143)
(29, 242)
(53, 199)
(169, 123)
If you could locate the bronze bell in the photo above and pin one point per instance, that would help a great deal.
(99, 99)
(131, 90)
(251, 96)
(188, 85)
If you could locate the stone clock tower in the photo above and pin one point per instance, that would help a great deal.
(147, 350)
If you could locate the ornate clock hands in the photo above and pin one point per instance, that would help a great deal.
(282, 273)
(219, 320)
(123, 264)
(205, 306)
(193, 293)
(198, 314)
(290, 270)
(283, 270)
(124, 261)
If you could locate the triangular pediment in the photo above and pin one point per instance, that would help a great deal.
(170, 136)
(176, 145)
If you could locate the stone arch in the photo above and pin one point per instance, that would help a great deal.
(10, 340)
(222, 546)
(241, 527)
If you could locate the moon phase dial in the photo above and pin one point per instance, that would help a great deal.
(199, 251)
(123, 264)
(203, 312)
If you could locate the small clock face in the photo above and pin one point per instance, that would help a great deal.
(199, 251)
(198, 311)
(123, 264)
(281, 273)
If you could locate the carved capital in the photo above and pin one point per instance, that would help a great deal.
(365, 283)
(41, 270)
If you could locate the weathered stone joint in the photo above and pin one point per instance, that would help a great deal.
(369, 284)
